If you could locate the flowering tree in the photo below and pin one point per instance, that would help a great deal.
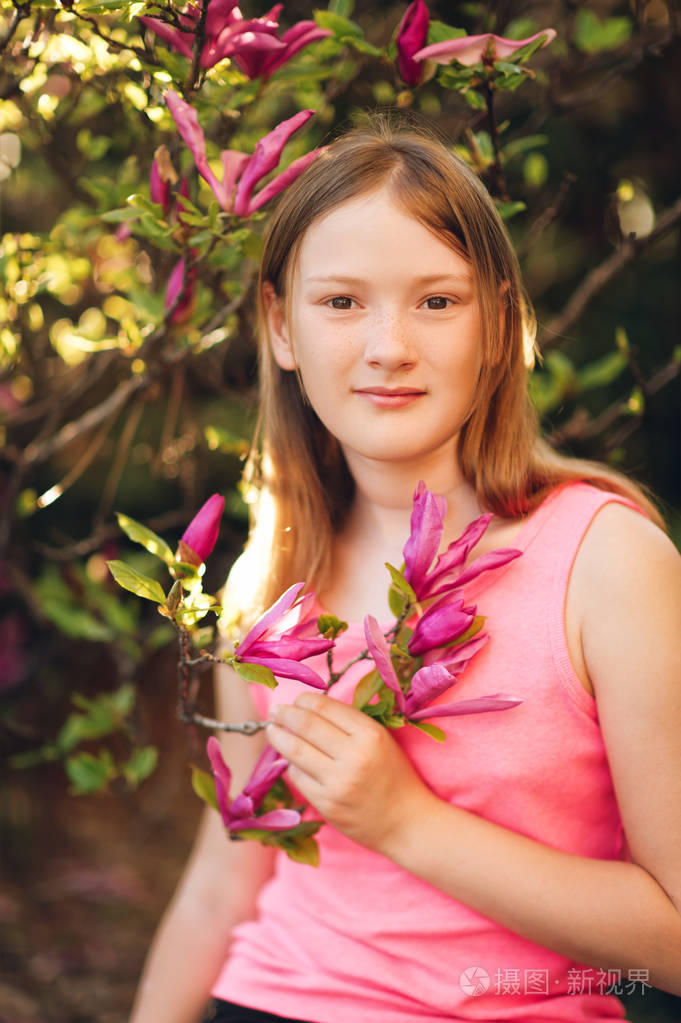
(141, 145)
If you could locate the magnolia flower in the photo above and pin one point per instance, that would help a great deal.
(411, 36)
(427, 525)
(180, 284)
(251, 43)
(283, 637)
(470, 50)
(242, 172)
(200, 536)
(427, 684)
(240, 815)
(443, 622)
(159, 188)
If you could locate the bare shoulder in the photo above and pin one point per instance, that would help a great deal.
(627, 583)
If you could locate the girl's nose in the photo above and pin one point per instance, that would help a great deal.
(388, 344)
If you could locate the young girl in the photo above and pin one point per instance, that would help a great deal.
(529, 867)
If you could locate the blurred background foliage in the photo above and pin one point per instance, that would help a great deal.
(126, 387)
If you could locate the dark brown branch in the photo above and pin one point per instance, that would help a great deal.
(554, 331)
(20, 12)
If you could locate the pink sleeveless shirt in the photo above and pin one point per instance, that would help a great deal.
(359, 938)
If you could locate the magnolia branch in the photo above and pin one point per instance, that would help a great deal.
(554, 331)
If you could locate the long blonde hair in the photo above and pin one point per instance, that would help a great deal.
(297, 467)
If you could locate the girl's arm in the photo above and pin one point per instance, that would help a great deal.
(626, 587)
(217, 890)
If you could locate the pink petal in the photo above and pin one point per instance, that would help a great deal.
(159, 190)
(223, 777)
(202, 532)
(427, 684)
(270, 616)
(296, 39)
(440, 578)
(411, 35)
(292, 647)
(380, 651)
(427, 523)
(486, 563)
(189, 128)
(237, 41)
(266, 157)
(233, 164)
(463, 654)
(441, 624)
(284, 179)
(218, 16)
(180, 41)
(286, 668)
(275, 820)
(470, 50)
(478, 706)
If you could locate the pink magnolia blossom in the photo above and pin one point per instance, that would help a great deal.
(241, 814)
(420, 550)
(180, 284)
(442, 623)
(470, 50)
(159, 190)
(428, 683)
(284, 636)
(251, 43)
(201, 534)
(411, 36)
(241, 173)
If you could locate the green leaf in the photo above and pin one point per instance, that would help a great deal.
(204, 786)
(344, 8)
(340, 26)
(255, 673)
(507, 210)
(140, 765)
(88, 773)
(438, 32)
(366, 689)
(397, 602)
(136, 582)
(303, 850)
(120, 215)
(330, 626)
(475, 99)
(603, 371)
(593, 35)
(146, 537)
(432, 730)
(362, 46)
(400, 583)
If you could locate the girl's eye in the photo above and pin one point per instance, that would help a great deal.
(437, 302)
(340, 302)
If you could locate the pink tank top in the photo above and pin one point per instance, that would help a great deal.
(359, 938)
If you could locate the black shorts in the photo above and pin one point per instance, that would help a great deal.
(228, 1012)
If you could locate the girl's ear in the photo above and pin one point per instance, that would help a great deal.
(277, 328)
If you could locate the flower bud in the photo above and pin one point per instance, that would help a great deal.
(201, 534)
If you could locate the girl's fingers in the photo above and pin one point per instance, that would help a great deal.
(301, 754)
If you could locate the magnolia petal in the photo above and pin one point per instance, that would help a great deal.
(380, 651)
(285, 668)
(487, 562)
(295, 39)
(463, 654)
(187, 122)
(219, 16)
(269, 767)
(427, 523)
(439, 579)
(180, 41)
(427, 684)
(470, 50)
(275, 820)
(223, 777)
(291, 647)
(273, 614)
(202, 532)
(266, 157)
(441, 623)
(233, 164)
(411, 35)
(246, 38)
(481, 705)
(284, 179)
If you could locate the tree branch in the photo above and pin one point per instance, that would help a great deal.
(554, 331)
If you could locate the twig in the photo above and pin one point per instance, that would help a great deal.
(123, 450)
(170, 419)
(499, 177)
(596, 280)
(547, 216)
(38, 452)
(20, 11)
(244, 728)
(81, 465)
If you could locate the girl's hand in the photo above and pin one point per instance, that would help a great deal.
(348, 767)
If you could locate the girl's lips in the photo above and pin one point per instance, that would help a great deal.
(387, 397)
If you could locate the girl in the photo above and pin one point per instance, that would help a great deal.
(529, 866)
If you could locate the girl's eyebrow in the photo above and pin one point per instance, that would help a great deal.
(426, 279)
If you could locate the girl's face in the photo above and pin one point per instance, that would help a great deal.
(384, 326)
